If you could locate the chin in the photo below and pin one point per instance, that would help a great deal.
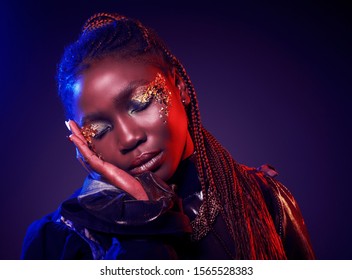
(162, 175)
(164, 172)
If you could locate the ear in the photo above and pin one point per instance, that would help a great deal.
(181, 85)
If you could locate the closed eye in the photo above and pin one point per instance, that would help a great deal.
(140, 101)
(100, 129)
(137, 106)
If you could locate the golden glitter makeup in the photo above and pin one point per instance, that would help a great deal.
(158, 90)
(89, 132)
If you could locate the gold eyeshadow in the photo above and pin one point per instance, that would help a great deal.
(158, 90)
(94, 130)
(89, 132)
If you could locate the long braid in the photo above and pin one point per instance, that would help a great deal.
(227, 187)
(212, 156)
(237, 211)
(203, 166)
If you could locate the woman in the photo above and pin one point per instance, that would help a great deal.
(160, 186)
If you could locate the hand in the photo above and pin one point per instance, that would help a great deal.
(112, 174)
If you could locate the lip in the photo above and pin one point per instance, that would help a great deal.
(148, 161)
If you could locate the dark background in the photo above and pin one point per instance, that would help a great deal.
(273, 82)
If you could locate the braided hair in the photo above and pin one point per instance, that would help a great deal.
(228, 188)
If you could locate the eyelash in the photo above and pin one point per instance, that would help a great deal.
(140, 102)
(100, 134)
(137, 106)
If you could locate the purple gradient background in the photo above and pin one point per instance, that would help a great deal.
(273, 83)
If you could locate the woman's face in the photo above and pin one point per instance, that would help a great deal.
(133, 115)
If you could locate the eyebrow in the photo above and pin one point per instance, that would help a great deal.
(123, 94)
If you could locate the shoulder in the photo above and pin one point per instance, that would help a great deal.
(285, 212)
(277, 197)
(266, 177)
(48, 238)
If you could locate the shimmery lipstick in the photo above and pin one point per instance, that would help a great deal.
(148, 161)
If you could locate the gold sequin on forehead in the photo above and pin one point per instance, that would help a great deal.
(158, 90)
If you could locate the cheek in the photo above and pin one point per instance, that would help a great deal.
(156, 126)
(154, 116)
(177, 122)
(168, 124)
(153, 122)
(107, 149)
(177, 127)
(176, 130)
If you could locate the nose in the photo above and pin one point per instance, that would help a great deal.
(129, 134)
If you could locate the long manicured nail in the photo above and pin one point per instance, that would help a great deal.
(67, 123)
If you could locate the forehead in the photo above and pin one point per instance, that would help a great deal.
(104, 80)
(110, 75)
(117, 70)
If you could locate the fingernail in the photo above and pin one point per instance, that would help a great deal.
(69, 138)
(68, 125)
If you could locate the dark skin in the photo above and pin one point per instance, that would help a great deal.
(134, 134)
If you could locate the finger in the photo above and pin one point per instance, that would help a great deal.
(84, 151)
(90, 161)
(126, 182)
(79, 142)
(83, 163)
(76, 130)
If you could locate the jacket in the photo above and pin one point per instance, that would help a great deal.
(101, 221)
